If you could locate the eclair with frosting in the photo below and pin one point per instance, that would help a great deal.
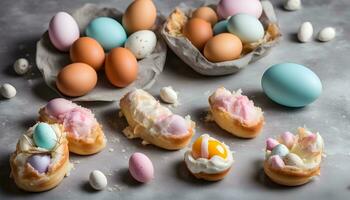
(209, 159)
(85, 135)
(41, 159)
(154, 123)
(293, 160)
(235, 113)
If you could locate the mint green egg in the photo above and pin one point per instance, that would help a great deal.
(220, 27)
(291, 84)
(107, 31)
(44, 136)
(248, 28)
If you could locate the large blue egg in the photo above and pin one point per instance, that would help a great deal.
(107, 31)
(44, 136)
(291, 84)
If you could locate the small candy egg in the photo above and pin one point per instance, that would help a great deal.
(223, 47)
(276, 162)
(140, 15)
(206, 13)
(21, 66)
(87, 50)
(141, 43)
(44, 136)
(292, 5)
(227, 8)
(58, 106)
(107, 31)
(121, 67)
(271, 143)
(305, 32)
(40, 162)
(326, 34)
(63, 31)
(293, 160)
(198, 31)
(280, 150)
(8, 91)
(220, 27)
(288, 139)
(168, 95)
(248, 28)
(97, 180)
(291, 85)
(141, 167)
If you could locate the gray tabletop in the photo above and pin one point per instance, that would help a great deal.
(22, 22)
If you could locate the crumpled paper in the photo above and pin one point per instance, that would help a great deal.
(183, 48)
(50, 61)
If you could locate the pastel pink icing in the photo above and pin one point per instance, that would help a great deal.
(288, 139)
(76, 119)
(172, 124)
(271, 143)
(227, 8)
(239, 106)
(276, 162)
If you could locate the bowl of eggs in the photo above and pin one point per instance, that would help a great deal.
(99, 53)
(220, 39)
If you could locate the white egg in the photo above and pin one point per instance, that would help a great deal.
(305, 32)
(168, 94)
(97, 180)
(21, 66)
(141, 43)
(293, 160)
(326, 34)
(8, 91)
(292, 5)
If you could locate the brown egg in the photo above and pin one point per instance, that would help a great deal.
(223, 47)
(87, 50)
(198, 31)
(121, 67)
(206, 13)
(140, 15)
(76, 79)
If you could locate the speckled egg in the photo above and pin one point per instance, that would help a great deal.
(280, 150)
(107, 31)
(291, 84)
(248, 28)
(141, 167)
(44, 136)
(97, 180)
(63, 31)
(141, 43)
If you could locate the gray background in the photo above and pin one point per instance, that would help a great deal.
(21, 24)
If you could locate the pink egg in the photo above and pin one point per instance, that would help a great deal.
(227, 8)
(271, 143)
(63, 31)
(276, 162)
(59, 106)
(141, 167)
(288, 139)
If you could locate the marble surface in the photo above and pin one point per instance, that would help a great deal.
(22, 23)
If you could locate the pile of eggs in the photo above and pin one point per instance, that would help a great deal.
(224, 40)
(103, 35)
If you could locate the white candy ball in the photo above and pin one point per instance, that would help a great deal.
(305, 32)
(97, 180)
(292, 5)
(21, 66)
(168, 94)
(326, 34)
(8, 91)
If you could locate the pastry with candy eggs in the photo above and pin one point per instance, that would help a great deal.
(154, 123)
(293, 160)
(41, 159)
(85, 135)
(235, 113)
(209, 159)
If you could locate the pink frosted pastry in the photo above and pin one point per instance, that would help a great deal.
(154, 123)
(295, 159)
(85, 134)
(235, 113)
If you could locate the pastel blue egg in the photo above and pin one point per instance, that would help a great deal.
(280, 150)
(107, 31)
(44, 136)
(220, 27)
(248, 28)
(291, 84)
